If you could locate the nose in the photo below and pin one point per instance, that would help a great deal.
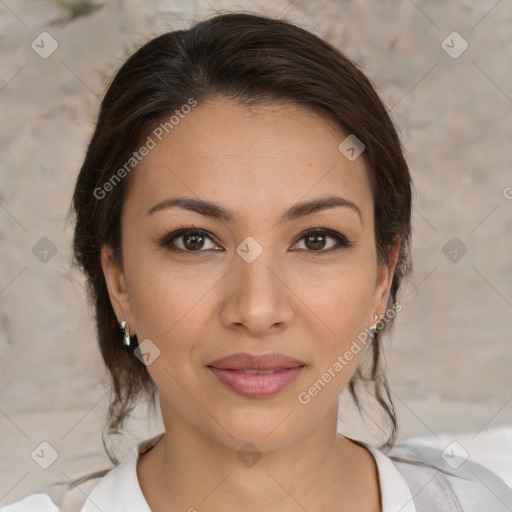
(258, 299)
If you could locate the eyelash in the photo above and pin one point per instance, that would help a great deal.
(166, 241)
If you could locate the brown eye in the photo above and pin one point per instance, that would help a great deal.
(187, 240)
(316, 239)
(193, 242)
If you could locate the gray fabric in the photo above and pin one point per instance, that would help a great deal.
(435, 486)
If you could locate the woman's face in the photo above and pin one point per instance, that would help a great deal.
(255, 281)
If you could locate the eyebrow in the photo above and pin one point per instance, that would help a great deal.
(214, 210)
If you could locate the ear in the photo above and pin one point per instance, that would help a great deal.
(117, 288)
(385, 280)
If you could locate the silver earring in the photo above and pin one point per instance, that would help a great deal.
(126, 333)
(373, 328)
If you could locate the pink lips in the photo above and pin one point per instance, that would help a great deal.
(259, 382)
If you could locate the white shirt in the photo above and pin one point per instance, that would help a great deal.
(119, 490)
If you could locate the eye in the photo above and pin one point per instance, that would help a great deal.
(315, 240)
(187, 240)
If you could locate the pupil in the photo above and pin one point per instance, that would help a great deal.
(195, 244)
(316, 245)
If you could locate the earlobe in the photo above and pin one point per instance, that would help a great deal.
(116, 285)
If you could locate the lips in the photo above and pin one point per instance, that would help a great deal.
(256, 376)
(244, 361)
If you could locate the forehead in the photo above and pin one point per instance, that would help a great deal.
(263, 157)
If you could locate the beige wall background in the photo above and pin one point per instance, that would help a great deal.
(449, 355)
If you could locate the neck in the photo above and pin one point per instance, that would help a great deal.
(188, 470)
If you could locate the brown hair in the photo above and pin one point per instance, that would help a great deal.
(251, 59)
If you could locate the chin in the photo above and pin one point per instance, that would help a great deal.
(266, 430)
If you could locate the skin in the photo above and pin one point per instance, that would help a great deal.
(198, 307)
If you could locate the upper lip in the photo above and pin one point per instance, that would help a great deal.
(244, 361)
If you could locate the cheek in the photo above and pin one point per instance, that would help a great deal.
(340, 310)
(171, 302)
(339, 296)
(337, 312)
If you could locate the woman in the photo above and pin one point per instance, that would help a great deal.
(243, 219)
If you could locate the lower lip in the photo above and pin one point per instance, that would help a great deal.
(256, 385)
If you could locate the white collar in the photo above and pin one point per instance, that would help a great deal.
(396, 495)
(119, 490)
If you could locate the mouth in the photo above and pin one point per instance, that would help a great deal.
(256, 362)
(256, 382)
(259, 372)
(256, 375)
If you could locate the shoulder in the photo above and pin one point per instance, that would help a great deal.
(57, 497)
(442, 480)
(73, 497)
